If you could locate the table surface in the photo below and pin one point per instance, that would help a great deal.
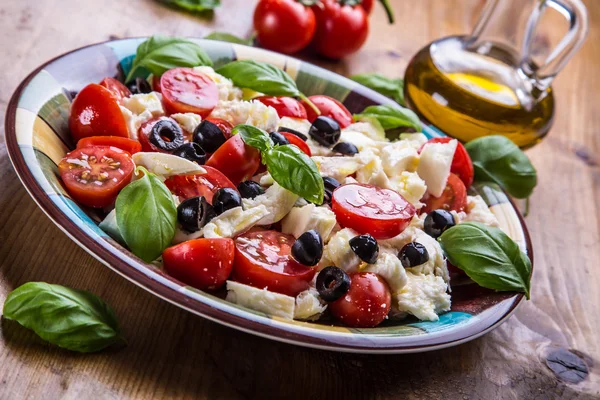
(175, 354)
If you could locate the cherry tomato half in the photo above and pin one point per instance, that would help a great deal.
(96, 112)
(202, 263)
(94, 175)
(285, 106)
(225, 126)
(144, 134)
(119, 90)
(295, 140)
(454, 197)
(235, 159)
(331, 108)
(461, 163)
(383, 213)
(129, 145)
(186, 186)
(366, 304)
(286, 26)
(187, 91)
(263, 260)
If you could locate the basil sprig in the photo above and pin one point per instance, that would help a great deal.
(392, 88)
(289, 166)
(228, 37)
(146, 216)
(488, 256)
(73, 319)
(497, 159)
(391, 117)
(161, 53)
(264, 78)
(194, 6)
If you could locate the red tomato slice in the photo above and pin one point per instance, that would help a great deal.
(461, 163)
(383, 213)
(185, 90)
(285, 106)
(263, 260)
(367, 302)
(95, 112)
(186, 186)
(295, 140)
(202, 263)
(119, 90)
(236, 160)
(223, 125)
(94, 175)
(129, 145)
(331, 108)
(144, 132)
(454, 197)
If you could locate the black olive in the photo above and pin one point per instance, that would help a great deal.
(166, 135)
(365, 247)
(332, 283)
(330, 183)
(327, 194)
(325, 130)
(308, 248)
(138, 86)
(191, 151)
(226, 199)
(347, 149)
(437, 221)
(209, 136)
(278, 138)
(250, 189)
(194, 213)
(293, 132)
(413, 254)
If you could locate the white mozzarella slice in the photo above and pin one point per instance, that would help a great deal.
(371, 171)
(187, 121)
(262, 300)
(437, 263)
(234, 222)
(434, 165)
(390, 268)
(410, 186)
(247, 112)
(309, 305)
(302, 219)
(478, 211)
(166, 164)
(339, 253)
(139, 103)
(424, 296)
(399, 157)
(297, 124)
(277, 200)
(337, 167)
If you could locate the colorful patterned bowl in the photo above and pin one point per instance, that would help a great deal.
(37, 136)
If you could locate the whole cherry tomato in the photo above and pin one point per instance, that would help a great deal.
(286, 26)
(454, 197)
(235, 159)
(329, 107)
(285, 106)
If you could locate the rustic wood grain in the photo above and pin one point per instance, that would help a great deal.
(174, 354)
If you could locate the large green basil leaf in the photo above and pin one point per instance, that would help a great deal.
(193, 5)
(254, 137)
(228, 37)
(161, 53)
(391, 117)
(488, 256)
(146, 216)
(73, 319)
(392, 88)
(497, 159)
(260, 77)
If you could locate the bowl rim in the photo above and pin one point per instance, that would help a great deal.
(102, 253)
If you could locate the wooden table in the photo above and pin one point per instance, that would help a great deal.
(172, 353)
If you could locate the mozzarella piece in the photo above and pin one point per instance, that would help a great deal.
(339, 253)
(188, 121)
(371, 172)
(140, 103)
(317, 150)
(277, 200)
(183, 236)
(416, 140)
(361, 141)
(309, 305)
(166, 165)
(410, 186)
(368, 129)
(297, 124)
(437, 263)
(337, 167)
(302, 219)
(399, 157)
(225, 86)
(234, 222)
(397, 242)
(247, 112)
(109, 225)
(262, 300)
(424, 296)
(134, 121)
(434, 165)
(478, 211)
(266, 180)
(390, 268)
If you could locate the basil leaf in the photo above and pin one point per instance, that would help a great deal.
(73, 319)
(293, 170)
(228, 37)
(488, 256)
(392, 117)
(392, 88)
(254, 137)
(260, 77)
(497, 159)
(193, 5)
(160, 54)
(146, 216)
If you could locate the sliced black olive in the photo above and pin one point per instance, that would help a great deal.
(226, 199)
(325, 130)
(308, 248)
(437, 221)
(365, 247)
(250, 189)
(413, 254)
(139, 86)
(347, 149)
(209, 136)
(330, 183)
(166, 135)
(191, 151)
(332, 283)
(327, 194)
(278, 138)
(194, 213)
(293, 132)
